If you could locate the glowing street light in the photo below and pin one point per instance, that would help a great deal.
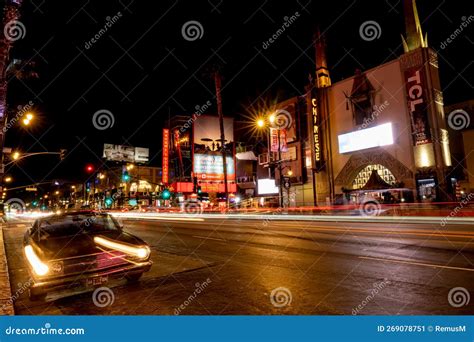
(7, 179)
(28, 118)
(271, 118)
(15, 155)
(260, 123)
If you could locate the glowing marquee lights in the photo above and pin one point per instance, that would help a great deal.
(165, 156)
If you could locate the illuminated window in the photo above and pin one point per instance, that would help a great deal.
(365, 173)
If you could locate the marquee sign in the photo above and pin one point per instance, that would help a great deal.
(317, 138)
(165, 156)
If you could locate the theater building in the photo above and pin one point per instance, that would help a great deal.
(381, 131)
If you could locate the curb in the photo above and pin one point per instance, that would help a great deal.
(6, 303)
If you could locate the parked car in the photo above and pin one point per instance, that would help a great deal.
(81, 249)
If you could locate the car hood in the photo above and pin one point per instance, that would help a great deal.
(62, 247)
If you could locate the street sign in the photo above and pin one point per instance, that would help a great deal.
(31, 189)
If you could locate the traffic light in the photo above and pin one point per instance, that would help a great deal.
(62, 154)
(166, 194)
(125, 176)
(199, 190)
(89, 168)
(109, 201)
(34, 203)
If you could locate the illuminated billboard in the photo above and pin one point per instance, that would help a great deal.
(209, 167)
(377, 136)
(266, 187)
(129, 154)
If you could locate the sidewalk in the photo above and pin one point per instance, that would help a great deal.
(6, 303)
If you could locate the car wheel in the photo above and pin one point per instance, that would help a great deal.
(133, 276)
(37, 296)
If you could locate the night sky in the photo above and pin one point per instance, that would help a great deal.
(142, 69)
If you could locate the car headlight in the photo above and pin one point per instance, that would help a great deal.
(142, 252)
(39, 267)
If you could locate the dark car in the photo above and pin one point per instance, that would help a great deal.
(81, 249)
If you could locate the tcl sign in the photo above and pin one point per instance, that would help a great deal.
(417, 106)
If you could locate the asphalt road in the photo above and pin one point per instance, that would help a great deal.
(231, 266)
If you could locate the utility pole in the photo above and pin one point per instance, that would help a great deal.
(9, 25)
(217, 80)
(280, 169)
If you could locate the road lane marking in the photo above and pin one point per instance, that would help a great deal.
(151, 218)
(418, 263)
(208, 238)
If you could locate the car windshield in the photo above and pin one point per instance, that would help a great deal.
(72, 224)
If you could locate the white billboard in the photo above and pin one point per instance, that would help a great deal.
(266, 187)
(128, 154)
(142, 154)
(377, 136)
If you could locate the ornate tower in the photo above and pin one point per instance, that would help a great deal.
(323, 79)
(414, 35)
(419, 66)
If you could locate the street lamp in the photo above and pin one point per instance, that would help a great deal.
(7, 179)
(15, 155)
(271, 118)
(261, 123)
(28, 118)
